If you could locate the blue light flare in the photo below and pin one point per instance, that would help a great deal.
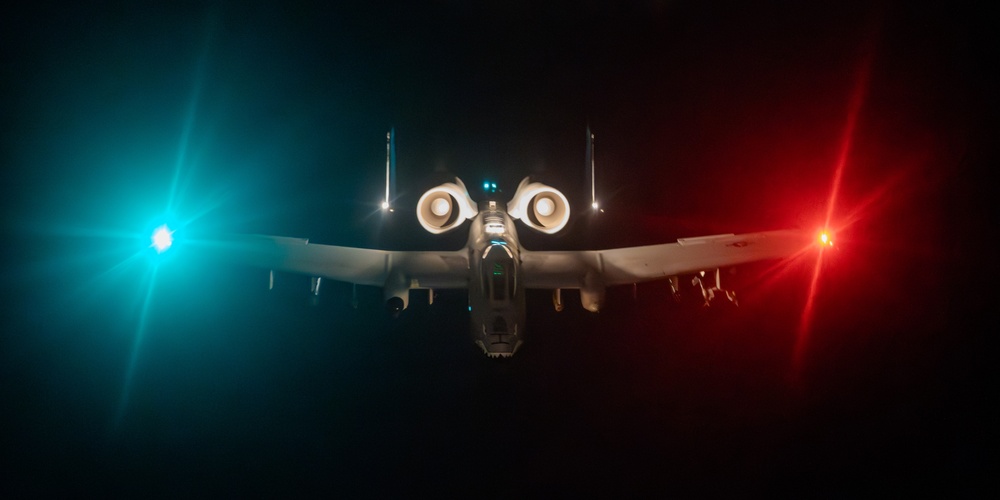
(162, 238)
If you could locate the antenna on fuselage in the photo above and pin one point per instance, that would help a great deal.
(590, 166)
(390, 169)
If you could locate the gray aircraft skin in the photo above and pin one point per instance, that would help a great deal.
(496, 270)
(496, 295)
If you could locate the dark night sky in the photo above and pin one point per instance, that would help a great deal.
(710, 117)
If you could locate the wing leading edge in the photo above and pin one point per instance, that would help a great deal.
(361, 266)
(620, 266)
(540, 270)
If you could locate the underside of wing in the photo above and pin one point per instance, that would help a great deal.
(362, 266)
(618, 266)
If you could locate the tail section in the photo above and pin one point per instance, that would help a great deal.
(390, 169)
(590, 171)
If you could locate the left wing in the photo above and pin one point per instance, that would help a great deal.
(361, 266)
(620, 266)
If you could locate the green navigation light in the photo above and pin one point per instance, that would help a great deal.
(162, 238)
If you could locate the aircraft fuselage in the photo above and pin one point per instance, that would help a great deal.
(496, 292)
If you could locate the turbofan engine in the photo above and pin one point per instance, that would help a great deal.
(445, 207)
(542, 208)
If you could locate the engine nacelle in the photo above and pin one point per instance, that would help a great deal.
(542, 208)
(445, 207)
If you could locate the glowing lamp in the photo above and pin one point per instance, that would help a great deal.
(385, 205)
(825, 239)
(162, 238)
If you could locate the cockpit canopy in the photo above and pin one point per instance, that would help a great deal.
(499, 276)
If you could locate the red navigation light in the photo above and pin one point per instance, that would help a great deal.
(826, 239)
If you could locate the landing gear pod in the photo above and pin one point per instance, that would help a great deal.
(394, 306)
(592, 293)
(396, 293)
(542, 208)
(445, 207)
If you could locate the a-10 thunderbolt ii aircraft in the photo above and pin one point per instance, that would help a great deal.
(494, 267)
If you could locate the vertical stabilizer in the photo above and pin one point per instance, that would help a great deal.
(591, 181)
(390, 169)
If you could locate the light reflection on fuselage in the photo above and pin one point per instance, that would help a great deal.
(496, 294)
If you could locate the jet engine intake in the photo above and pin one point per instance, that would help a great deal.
(445, 207)
(541, 207)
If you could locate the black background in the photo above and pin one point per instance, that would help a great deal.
(123, 374)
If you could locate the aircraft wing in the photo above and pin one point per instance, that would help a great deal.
(361, 266)
(619, 266)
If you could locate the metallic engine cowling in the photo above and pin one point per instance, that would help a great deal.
(445, 207)
(541, 207)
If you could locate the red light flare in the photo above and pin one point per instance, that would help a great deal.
(850, 127)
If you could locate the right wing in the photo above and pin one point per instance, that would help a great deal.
(361, 266)
(620, 266)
